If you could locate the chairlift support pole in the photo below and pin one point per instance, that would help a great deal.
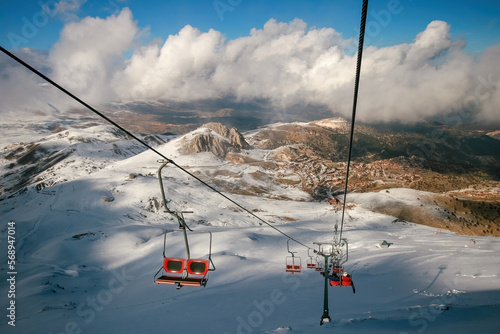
(336, 247)
(326, 255)
(333, 252)
(326, 312)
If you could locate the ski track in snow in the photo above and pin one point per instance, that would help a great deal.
(86, 265)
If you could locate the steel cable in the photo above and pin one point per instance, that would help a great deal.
(35, 71)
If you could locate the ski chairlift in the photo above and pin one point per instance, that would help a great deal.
(341, 278)
(335, 277)
(182, 271)
(328, 253)
(311, 263)
(319, 264)
(338, 254)
(293, 264)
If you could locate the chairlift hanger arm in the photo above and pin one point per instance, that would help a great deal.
(180, 217)
(346, 251)
(210, 253)
(163, 164)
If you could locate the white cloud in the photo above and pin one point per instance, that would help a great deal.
(22, 93)
(180, 69)
(286, 63)
(90, 52)
(64, 9)
(289, 64)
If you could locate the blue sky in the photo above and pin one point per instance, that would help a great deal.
(476, 21)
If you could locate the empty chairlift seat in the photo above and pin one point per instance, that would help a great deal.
(293, 263)
(292, 266)
(182, 272)
(311, 264)
(178, 270)
(319, 265)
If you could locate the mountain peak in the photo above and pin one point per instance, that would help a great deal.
(215, 138)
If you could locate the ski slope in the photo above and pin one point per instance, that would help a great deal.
(87, 249)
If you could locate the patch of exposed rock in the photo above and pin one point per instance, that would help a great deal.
(216, 138)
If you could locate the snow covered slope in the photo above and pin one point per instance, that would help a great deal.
(88, 245)
(66, 155)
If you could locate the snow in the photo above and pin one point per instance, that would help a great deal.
(202, 131)
(86, 265)
(332, 123)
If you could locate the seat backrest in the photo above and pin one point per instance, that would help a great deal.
(173, 265)
(197, 267)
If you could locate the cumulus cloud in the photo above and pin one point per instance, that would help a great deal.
(84, 60)
(285, 63)
(270, 63)
(90, 52)
(289, 64)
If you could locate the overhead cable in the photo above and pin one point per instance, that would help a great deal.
(53, 83)
(354, 105)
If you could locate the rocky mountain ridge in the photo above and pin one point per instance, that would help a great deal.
(300, 161)
(215, 138)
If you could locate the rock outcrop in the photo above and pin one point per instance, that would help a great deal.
(216, 138)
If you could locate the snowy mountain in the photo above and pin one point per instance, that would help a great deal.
(66, 155)
(85, 207)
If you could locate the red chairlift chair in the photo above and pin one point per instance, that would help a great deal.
(319, 264)
(292, 266)
(340, 278)
(310, 263)
(293, 263)
(182, 271)
(346, 280)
